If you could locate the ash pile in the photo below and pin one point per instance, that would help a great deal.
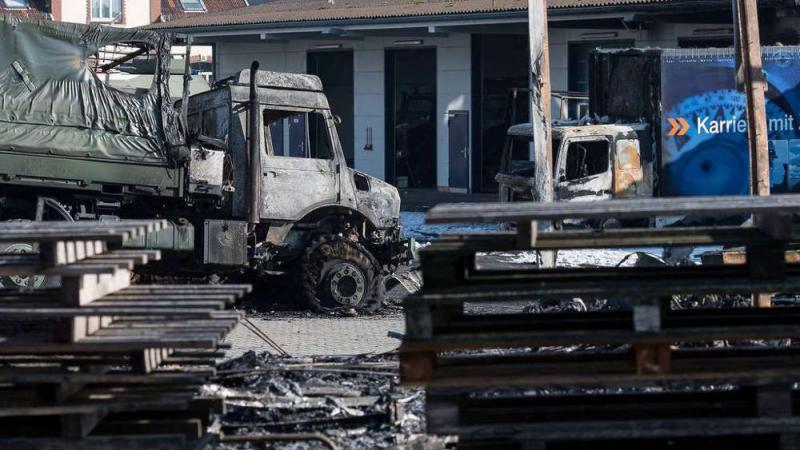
(355, 401)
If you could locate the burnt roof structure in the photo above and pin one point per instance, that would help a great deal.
(279, 80)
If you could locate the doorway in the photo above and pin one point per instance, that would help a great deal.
(335, 69)
(411, 117)
(499, 65)
(458, 131)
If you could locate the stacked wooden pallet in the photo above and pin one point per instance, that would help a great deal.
(629, 373)
(98, 362)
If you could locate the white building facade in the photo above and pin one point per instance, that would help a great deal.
(453, 66)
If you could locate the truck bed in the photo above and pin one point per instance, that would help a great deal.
(104, 176)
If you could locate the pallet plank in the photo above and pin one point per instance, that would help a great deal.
(620, 209)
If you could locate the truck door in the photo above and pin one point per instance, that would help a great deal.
(297, 184)
(584, 169)
(630, 178)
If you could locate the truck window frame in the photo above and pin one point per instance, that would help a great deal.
(284, 113)
(564, 158)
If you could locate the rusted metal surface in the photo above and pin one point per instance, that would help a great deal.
(630, 179)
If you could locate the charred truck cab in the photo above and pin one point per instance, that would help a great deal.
(74, 148)
(590, 162)
(336, 227)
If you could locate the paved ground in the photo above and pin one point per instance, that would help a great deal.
(305, 334)
(320, 336)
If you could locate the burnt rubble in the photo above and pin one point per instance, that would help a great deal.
(355, 401)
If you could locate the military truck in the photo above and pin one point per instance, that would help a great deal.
(74, 148)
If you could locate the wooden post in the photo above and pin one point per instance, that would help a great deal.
(750, 75)
(541, 111)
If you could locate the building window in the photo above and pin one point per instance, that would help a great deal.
(106, 10)
(16, 3)
(193, 5)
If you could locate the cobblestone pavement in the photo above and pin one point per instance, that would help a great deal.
(307, 336)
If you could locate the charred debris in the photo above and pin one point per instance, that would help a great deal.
(356, 402)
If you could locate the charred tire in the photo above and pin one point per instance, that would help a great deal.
(338, 275)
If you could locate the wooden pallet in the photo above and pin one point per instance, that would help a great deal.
(642, 347)
(564, 416)
(98, 361)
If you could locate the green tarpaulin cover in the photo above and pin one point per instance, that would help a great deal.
(52, 102)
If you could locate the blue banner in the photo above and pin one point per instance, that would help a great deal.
(704, 125)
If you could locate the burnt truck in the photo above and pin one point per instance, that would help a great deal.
(664, 123)
(213, 164)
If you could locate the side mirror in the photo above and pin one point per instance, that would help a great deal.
(337, 119)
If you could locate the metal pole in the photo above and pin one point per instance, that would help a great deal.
(541, 111)
(187, 78)
(255, 173)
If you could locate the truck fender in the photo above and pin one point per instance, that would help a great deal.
(278, 232)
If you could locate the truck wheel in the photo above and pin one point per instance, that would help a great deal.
(51, 210)
(339, 275)
(20, 281)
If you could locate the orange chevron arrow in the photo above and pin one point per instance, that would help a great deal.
(679, 126)
(684, 126)
(675, 126)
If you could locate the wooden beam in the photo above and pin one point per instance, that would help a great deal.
(750, 70)
(540, 112)
(633, 208)
(750, 74)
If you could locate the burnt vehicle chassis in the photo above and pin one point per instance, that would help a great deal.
(207, 164)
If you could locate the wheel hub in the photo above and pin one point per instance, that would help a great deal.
(19, 280)
(348, 285)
